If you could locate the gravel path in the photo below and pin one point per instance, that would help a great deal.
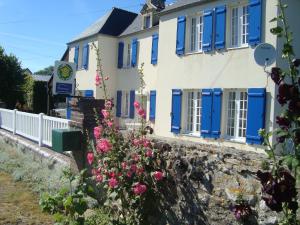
(19, 206)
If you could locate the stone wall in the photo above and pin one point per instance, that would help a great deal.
(205, 180)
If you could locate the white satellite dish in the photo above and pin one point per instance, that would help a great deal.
(265, 54)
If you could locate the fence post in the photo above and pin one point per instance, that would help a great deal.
(41, 129)
(15, 121)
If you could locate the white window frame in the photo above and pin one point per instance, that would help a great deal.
(128, 55)
(239, 122)
(192, 112)
(239, 29)
(145, 21)
(125, 104)
(194, 35)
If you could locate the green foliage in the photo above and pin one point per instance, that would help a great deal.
(27, 88)
(11, 79)
(46, 71)
(69, 204)
(99, 217)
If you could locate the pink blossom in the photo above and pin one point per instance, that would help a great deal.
(136, 105)
(94, 172)
(133, 168)
(140, 171)
(90, 157)
(97, 132)
(99, 178)
(146, 143)
(142, 112)
(129, 174)
(124, 165)
(109, 123)
(105, 113)
(135, 157)
(112, 174)
(136, 142)
(104, 146)
(106, 78)
(112, 182)
(98, 80)
(149, 153)
(139, 189)
(158, 175)
(99, 170)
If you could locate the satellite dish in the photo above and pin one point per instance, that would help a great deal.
(265, 54)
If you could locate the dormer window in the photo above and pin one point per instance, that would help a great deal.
(147, 21)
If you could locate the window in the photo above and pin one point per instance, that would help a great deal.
(147, 22)
(239, 26)
(128, 62)
(193, 112)
(125, 103)
(237, 104)
(196, 34)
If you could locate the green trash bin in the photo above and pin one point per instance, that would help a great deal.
(66, 140)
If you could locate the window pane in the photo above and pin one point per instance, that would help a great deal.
(128, 54)
(200, 33)
(245, 24)
(193, 34)
(231, 114)
(242, 114)
(234, 27)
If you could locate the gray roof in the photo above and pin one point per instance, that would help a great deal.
(135, 26)
(112, 23)
(43, 78)
(180, 4)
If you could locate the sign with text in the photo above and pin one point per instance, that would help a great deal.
(64, 78)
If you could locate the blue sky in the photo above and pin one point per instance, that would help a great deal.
(36, 31)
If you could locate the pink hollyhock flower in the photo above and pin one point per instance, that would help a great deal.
(140, 171)
(112, 174)
(106, 78)
(139, 189)
(158, 175)
(135, 157)
(112, 182)
(104, 146)
(109, 123)
(97, 132)
(105, 113)
(149, 153)
(146, 143)
(136, 142)
(90, 157)
(129, 174)
(124, 165)
(136, 105)
(99, 178)
(98, 80)
(133, 168)
(99, 170)
(142, 112)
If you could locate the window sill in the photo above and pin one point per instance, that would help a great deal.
(236, 140)
(193, 53)
(191, 135)
(236, 48)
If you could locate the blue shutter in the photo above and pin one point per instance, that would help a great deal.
(76, 55)
(220, 27)
(176, 111)
(216, 113)
(180, 42)
(132, 99)
(120, 54)
(206, 113)
(255, 114)
(255, 11)
(85, 56)
(152, 105)
(88, 93)
(207, 30)
(119, 104)
(154, 52)
(134, 50)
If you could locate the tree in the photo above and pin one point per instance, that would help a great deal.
(11, 79)
(46, 71)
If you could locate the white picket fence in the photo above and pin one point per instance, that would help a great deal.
(36, 127)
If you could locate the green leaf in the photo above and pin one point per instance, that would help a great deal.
(274, 19)
(276, 30)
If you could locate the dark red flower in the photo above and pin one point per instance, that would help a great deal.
(294, 106)
(281, 100)
(283, 122)
(296, 62)
(275, 75)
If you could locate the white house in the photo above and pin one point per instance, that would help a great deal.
(202, 81)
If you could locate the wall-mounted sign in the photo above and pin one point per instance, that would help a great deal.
(64, 78)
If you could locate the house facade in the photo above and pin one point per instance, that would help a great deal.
(202, 82)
